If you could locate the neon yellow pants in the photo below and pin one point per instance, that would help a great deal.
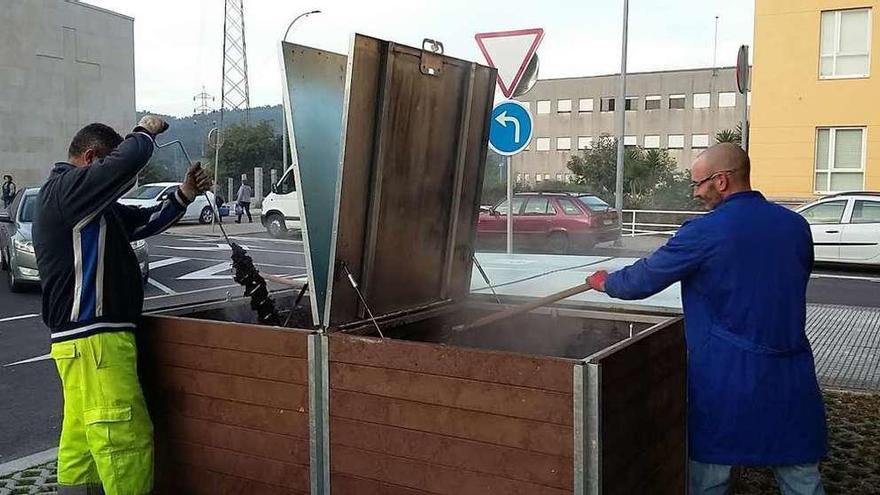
(106, 435)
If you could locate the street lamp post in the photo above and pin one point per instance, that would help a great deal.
(283, 123)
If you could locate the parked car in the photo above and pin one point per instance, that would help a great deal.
(550, 222)
(17, 257)
(846, 227)
(280, 209)
(148, 195)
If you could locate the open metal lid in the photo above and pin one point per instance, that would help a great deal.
(415, 130)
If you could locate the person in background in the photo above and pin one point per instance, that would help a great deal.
(243, 200)
(92, 303)
(218, 200)
(8, 190)
(753, 396)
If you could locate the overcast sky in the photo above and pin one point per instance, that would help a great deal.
(178, 43)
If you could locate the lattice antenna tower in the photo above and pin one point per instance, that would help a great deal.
(201, 100)
(235, 90)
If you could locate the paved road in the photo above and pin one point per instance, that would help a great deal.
(192, 268)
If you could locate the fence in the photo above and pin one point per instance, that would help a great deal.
(654, 222)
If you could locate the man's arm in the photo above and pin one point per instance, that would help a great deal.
(674, 261)
(141, 223)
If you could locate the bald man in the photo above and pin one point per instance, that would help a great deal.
(753, 397)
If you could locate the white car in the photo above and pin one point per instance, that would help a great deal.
(846, 227)
(148, 195)
(280, 210)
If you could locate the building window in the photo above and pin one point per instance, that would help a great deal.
(675, 142)
(632, 103)
(559, 177)
(652, 142)
(845, 47)
(726, 100)
(702, 100)
(653, 102)
(676, 102)
(519, 177)
(543, 106)
(527, 104)
(585, 142)
(700, 141)
(563, 143)
(840, 159)
(607, 104)
(630, 141)
(527, 179)
(546, 176)
(538, 178)
(543, 144)
(563, 106)
(585, 105)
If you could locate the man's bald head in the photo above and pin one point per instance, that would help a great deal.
(720, 171)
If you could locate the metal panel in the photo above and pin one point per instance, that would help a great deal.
(587, 442)
(315, 90)
(399, 205)
(319, 415)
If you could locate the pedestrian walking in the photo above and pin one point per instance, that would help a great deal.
(8, 191)
(243, 200)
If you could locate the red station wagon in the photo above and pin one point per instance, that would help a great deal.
(550, 222)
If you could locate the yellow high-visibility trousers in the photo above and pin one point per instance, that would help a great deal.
(106, 435)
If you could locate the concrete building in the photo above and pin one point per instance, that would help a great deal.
(680, 110)
(816, 115)
(63, 64)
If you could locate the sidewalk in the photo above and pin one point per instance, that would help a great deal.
(229, 226)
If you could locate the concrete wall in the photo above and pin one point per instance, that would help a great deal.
(791, 101)
(63, 64)
(639, 122)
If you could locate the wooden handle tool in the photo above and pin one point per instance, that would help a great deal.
(523, 308)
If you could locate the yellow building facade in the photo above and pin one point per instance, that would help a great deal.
(815, 115)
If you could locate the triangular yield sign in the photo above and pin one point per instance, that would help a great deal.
(510, 52)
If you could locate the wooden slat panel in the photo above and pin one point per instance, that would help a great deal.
(264, 418)
(242, 466)
(235, 336)
(537, 405)
(425, 476)
(292, 397)
(246, 441)
(347, 484)
(265, 366)
(196, 480)
(496, 367)
(500, 430)
(516, 464)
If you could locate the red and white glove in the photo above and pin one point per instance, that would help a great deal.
(597, 280)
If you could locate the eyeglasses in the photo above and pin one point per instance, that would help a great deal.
(697, 183)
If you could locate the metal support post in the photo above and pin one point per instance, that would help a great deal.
(319, 414)
(509, 206)
(620, 111)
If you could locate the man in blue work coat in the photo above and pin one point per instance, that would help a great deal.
(753, 397)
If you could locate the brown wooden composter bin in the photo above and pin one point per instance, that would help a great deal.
(565, 399)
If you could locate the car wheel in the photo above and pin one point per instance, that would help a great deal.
(207, 215)
(3, 264)
(275, 225)
(558, 243)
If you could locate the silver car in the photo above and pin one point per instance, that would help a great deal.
(17, 248)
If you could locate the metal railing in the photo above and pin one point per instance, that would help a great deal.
(630, 226)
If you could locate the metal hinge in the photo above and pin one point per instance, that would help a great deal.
(432, 61)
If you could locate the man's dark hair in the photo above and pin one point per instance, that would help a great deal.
(7, 177)
(99, 137)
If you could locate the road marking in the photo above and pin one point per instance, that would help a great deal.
(209, 273)
(845, 277)
(196, 291)
(166, 262)
(225, 247)
(19, 317)
(29, 360)
(160, 286)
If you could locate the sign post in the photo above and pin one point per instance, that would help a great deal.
(742, 84)
(510, 52)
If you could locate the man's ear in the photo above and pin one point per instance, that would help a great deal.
(89, 156)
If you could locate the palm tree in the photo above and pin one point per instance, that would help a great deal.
(730, 135)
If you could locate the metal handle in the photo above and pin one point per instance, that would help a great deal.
(832, 231)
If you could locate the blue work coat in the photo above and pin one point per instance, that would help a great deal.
(753, 397)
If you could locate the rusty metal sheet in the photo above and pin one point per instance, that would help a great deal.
(545, 373)
(524, 434)
(505, 462)
(408, 199)
(419, 475)
(493, 398)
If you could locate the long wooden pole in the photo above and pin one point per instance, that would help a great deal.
(524, 308)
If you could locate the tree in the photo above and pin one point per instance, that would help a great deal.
(651, 178)
(730, 135)
(244, 148)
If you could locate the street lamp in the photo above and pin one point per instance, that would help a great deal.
(283, 124)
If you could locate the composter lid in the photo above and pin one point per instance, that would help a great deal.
(415, 131)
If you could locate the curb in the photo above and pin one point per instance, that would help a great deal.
(28, 462)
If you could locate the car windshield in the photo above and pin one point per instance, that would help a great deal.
(28, 205)
(593, 203)
(144, 192)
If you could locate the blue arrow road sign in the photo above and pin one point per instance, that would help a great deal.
(511, 128)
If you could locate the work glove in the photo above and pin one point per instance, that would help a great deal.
(597, 280)
(152, 125)
(196, 182)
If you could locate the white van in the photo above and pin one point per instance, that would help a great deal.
(281, 207)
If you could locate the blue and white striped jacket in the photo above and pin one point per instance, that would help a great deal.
(90, 276)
